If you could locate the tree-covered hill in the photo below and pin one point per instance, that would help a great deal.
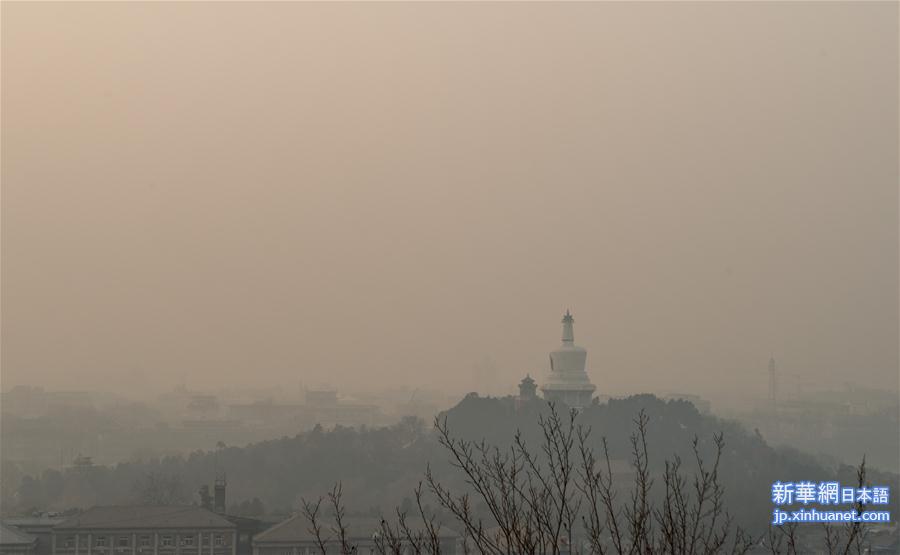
(380, 466)
(748, 467)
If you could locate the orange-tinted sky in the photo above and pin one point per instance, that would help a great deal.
(382, 193)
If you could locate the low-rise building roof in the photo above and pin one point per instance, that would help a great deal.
(146, 516)
(11, 536)
(33, 521)
(297, 529)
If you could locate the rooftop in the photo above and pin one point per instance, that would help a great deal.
(296, 529)
(146, 516)
(10, 536)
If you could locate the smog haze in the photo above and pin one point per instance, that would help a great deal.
(384, 195)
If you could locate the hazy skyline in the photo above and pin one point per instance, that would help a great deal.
(243, 194)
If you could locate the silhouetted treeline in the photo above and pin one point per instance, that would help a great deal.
(380, 467)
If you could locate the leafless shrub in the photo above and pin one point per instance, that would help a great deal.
(852, 538)
(536, 498)
(339, 535)
(561, 498)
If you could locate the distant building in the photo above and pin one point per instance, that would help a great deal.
(145, 530)
(203, 404)
(321, 398)
(14, 541)
(268, 414)
(527, 388)
(245, 527)
(321, 407)
(39, 526)
(293, 537)
(83, 463)
(568, 382)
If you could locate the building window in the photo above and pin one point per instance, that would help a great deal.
(145, 541)
(220, 540)
(123, 541)
(167, 541)
(70, 541)
(188, 541)
(101, 541)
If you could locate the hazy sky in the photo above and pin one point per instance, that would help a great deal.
(384, 194)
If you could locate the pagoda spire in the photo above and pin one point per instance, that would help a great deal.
(568, 334)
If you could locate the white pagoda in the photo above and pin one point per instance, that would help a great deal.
(567, 382)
